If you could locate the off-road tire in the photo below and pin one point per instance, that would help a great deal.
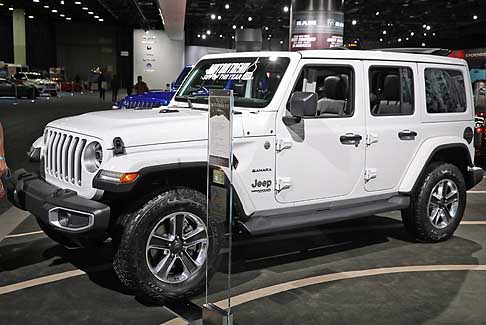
(415, 218)
(129, 260)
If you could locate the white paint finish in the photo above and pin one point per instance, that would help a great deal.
(389, 155)
(318, 164)
(166, 57)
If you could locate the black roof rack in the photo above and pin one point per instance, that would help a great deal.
(418, 50)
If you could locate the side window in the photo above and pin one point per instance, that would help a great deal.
(445, 91)
(391, 91)
(334, 86)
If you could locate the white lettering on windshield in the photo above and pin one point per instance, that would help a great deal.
(231, 71)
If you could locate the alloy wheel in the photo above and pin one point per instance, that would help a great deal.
(443, 203)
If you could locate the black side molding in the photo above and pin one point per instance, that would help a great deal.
(271, 224)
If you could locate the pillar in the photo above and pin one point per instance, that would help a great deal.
(316, 24)
(248, 39)
(18, 18)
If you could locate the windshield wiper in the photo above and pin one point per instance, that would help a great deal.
(189, 103)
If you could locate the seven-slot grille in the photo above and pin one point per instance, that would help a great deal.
(62, 156)
(141, 104)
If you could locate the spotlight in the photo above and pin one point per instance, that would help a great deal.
(475, 17)
(213, 16)
(208, 32)
(203, 36)
(250, 18)
(219, 17)
(226, 6)
(354, 22)
(234, 26)
(286, 9)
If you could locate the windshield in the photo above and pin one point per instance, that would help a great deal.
(254, 81)
(181, 77)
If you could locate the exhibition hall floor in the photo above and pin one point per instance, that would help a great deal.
(366, 271)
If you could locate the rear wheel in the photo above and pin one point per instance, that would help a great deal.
(438, 206)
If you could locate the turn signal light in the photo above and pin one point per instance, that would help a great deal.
(127, 178)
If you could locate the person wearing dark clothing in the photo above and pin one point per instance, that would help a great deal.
(102, 86)
(77, 80)
(141, 87)
(115, 85)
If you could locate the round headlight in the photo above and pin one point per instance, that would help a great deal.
(93, 157)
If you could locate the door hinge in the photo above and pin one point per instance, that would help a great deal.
(371, 138)
(283, 183)
(283, 144)
(370, 174)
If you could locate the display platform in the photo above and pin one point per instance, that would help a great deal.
(365, 271)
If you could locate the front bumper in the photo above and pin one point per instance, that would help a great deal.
(29, 192)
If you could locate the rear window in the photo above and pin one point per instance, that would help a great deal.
(445, 90)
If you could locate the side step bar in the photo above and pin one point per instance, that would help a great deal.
(284, 222)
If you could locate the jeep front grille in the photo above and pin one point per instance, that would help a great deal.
(141, 104)
(62, 156)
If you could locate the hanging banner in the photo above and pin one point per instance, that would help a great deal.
(314, 30)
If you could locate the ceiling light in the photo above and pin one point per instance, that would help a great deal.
(233, 37)
(475, 17)
(35, 0)
(234, 26)
(77, 2)
(101, 19)
(286, 9)
(384, 32)
(412, 33)
(270, 36)
(220, 36)
(407, 39)
(425, 34)
(241, 27)
(1, 4)
(203, 36)
(428, 27)
(208, 32)
(377, 13)
(266, 27)
(96, 17)
(424, 26)
(90, 13)
(46, 6)
(85, 8)
(54, 10)
(219, 17)
(213, 16)
(399, 40)
(433, 34)
(11, 8)
(68, 18)
(226, 6)
(250, 18)
(281, 41)
(198, 35)
(62, 15)
(31, 17)
(423, 44)
(62, 2)
(381, 39)
(354, 22)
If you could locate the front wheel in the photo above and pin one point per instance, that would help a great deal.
(165, 244)
(437, 208)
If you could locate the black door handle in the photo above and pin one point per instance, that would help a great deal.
(407, 135)
(351, 139)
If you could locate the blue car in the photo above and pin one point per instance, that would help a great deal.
(153, 99)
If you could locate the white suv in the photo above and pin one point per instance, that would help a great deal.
(319, 137)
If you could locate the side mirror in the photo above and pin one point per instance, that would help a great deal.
(301, 104)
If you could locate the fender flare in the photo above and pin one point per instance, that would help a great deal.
(414, 174)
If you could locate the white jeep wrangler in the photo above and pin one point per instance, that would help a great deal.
(319, 137)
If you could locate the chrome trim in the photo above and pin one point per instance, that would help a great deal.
(54, 219)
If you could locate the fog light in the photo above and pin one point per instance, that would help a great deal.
(70, 219)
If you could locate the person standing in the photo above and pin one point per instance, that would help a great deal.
(102, 86)
(115, 86)
(141, 87)
(3, 163)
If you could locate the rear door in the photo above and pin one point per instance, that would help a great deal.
(392, 122)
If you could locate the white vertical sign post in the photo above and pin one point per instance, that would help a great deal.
(220, 161)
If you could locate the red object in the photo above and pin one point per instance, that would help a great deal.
(479, 130)
(459, 54)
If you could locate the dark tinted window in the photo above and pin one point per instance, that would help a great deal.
(391, 91)
(445, 90)
(334, 88)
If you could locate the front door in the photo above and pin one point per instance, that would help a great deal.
(393, 123)
(322, 156)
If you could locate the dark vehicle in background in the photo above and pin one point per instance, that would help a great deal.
(153, 99)
(9, 88)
